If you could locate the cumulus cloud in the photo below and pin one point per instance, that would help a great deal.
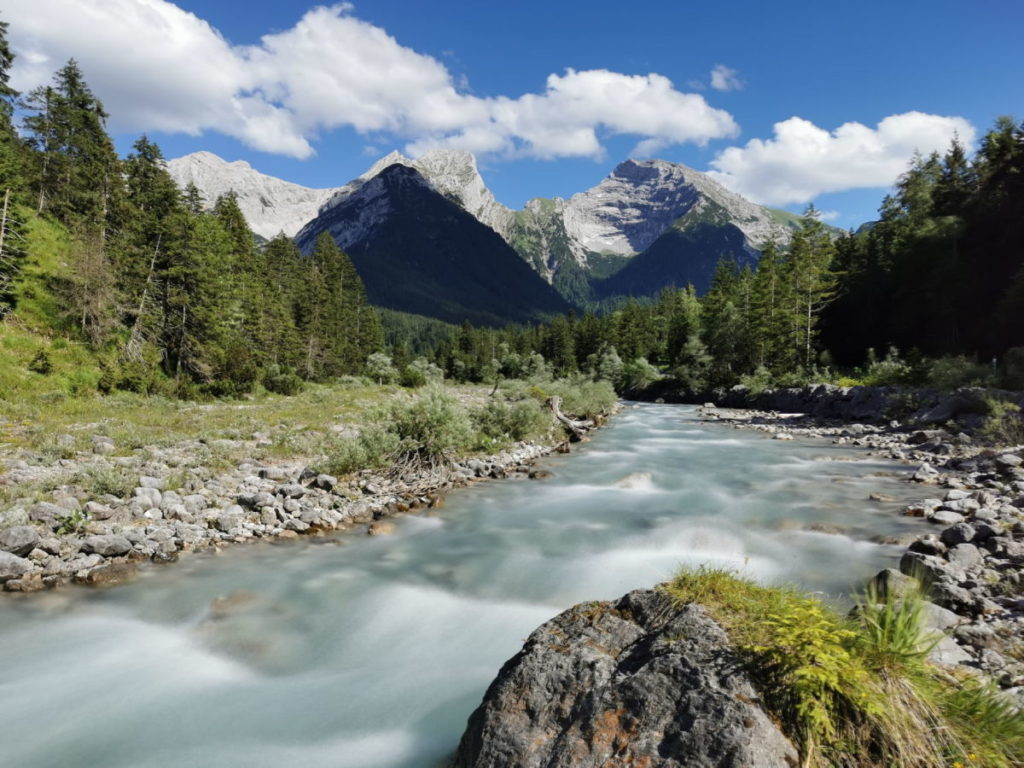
(724, 78)
(803, 161)
(158, 67)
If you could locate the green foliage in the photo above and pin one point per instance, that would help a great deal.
(1004, 424)
(431, 427)
(859, 692)
(379, 368)
(637, 374)
(955, 371)
(891, 371)
(40, 363)
(115, 481)
(283, 382)
(501, 421)
(374, 447)
(583, 397)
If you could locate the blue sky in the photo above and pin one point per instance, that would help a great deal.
(931, 68)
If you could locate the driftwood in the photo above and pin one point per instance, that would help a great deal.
(575, 428)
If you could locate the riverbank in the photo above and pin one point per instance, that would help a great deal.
(93, 516)
(971, 563)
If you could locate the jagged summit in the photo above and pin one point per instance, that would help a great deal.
(270, 205)
(453, 173)
(640, 200)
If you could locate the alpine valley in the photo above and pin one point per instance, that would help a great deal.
(427, 236)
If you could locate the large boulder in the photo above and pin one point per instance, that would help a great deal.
(19, 540)
(638, 682)
(13, 567)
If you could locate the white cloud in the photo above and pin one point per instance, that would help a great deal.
(158, 67)
(803, 161)
(828, 215)
(724, 78)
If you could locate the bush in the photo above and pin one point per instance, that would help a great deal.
(373, 448)
(41, 363)
(637, 374)
(501, 421)
(431, 427)
(1004, 424)
(890, 372)
(949, 373)
(855, 692)
(758, 381)
(583, 397)
(282, 381)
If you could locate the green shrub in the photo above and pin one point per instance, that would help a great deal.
(283, 383)
(893, 371)
(758, 381)
(949, 373)
(1004, 424)
(583, 397)
(374, 447)
(637, 374)
(40, 363)
(116, 481)
(501, 421)
(856, 692)
(431, 427)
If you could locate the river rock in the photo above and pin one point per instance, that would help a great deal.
(636, 682)
(19, 540)
(13, 567)
(108, 546)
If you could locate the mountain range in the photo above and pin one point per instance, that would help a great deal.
(429, 237)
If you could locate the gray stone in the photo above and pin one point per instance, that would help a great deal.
(195, 503)
(1009, 461)
(965, 555)
(944, 517)
(111, 545)
(97, 511)
(228, 523)
(150, 497)
(13, 567)
(151, 482)
(292, 490)
(947, 653)
(46, 513)
(938, 618)
(636, 682)
(957, 534)
(325, 482)
(19, 540)
(891, 582)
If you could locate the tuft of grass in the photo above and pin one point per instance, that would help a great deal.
(856, 692)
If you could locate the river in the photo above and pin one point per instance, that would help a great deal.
(349, 651)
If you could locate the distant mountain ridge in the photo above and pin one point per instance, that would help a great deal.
(419, 251)
(648, 224)
(270, 205)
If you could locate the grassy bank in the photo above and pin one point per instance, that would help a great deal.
(856, 692)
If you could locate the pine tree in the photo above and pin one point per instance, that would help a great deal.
(12, 225)
(812, 284)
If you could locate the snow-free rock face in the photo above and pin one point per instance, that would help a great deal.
(270, 205)
(452, 173)
(640, 200)
(418, 250)
(637, 682)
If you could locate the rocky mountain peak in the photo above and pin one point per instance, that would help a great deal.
(270, 205)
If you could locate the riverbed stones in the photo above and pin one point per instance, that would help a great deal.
(636, 682)
(13, 567)
(110, 545)
(19, 540)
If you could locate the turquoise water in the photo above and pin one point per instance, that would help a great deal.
(353, 651)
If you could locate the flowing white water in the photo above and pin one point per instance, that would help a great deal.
(349, 652)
